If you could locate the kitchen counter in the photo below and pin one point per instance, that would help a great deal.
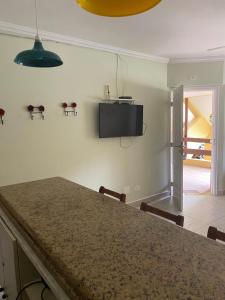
(99, 248)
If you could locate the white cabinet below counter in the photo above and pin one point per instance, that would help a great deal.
(9, 275)
(16, 270)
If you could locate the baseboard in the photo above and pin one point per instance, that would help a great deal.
(151, 198)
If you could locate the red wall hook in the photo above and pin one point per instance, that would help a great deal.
(70, 108)
(36, 110)
(2, 113)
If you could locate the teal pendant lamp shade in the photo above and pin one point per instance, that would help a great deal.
(38, 57)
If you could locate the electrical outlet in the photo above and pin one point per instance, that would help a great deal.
(137, 188)
(126, 189)
(193, 77)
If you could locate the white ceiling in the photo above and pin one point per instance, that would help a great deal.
(173, 29)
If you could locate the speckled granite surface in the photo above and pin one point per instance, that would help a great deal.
(103, 249)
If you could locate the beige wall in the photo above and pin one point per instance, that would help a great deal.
(69, 146)
(204, 104)
(192, 74)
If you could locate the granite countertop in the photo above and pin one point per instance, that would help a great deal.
(99, 248)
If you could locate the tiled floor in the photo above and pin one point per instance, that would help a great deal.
(196, 179)
(200, 211)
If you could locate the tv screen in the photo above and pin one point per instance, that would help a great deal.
(117, 120)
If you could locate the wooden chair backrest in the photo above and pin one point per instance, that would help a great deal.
(178, 219)
(121, 197)
(215, 234)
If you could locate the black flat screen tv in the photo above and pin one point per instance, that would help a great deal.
(120, 120)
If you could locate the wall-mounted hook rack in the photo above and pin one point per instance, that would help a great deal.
(36, 110)
(2, 113)
(70, 108)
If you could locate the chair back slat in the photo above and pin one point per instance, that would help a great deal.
(121, 197)
(178, 219)
(215, 234)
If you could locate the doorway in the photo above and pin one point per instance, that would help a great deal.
(207, 148)
(197, 141)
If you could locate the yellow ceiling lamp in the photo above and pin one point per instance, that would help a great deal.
(117, 8)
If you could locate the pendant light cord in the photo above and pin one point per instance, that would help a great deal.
(36, 17)
(117, 70)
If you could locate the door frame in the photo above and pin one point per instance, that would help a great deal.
(216, 153)
(176, 184)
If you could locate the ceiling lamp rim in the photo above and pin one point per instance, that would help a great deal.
(81, 3)
(38, 57)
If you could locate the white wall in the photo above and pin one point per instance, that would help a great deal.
(193, 74)
(69, 146)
